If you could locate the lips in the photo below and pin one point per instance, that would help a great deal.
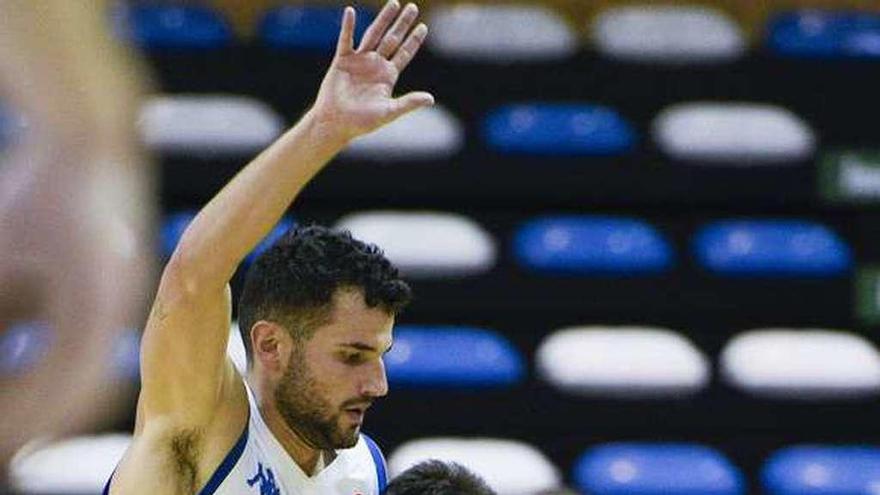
(356, 413)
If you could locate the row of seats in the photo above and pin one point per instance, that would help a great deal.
(637, 362)
(587, 361)
(511, 467)
(642, 33)
(742, 134)
(624, 362)
(653, 468)
(440, 245)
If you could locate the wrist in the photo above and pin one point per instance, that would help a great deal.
(327, 130)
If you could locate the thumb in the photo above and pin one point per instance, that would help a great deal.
(409, 102)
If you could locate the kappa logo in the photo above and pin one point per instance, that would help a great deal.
(266, 479)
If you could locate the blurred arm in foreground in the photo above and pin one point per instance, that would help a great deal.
(76, 211)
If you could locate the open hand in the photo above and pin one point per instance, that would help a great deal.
(356, 95)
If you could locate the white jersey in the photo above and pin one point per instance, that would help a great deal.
(258, 465)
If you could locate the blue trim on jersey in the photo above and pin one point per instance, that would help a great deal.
(228, 463)
(107, 485)
(378, 460)
(221, 473)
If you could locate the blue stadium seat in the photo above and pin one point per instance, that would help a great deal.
(825, 34)
(175, 26)
(591, 244)
(274, 235)
(558, 129)
(656, 469)
(452, 356)
(771, 248)
(308, 27)
(172, 229)
(822, 470)
(176, 223)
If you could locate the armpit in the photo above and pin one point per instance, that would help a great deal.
(186, 449)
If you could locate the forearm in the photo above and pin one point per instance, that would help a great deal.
(247, 208)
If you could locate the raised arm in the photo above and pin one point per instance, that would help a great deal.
(183, 355)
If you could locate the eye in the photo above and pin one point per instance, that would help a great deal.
(352, 358)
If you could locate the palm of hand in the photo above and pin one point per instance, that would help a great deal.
(356, 95)
(359, 88)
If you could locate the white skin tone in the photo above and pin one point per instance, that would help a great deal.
(338, 373)
(193, 406)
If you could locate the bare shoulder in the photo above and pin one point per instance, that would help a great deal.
(167, 456)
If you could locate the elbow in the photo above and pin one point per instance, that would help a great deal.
(196, 266)
(189, 274)
(181, 275)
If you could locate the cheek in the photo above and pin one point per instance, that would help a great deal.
(336, 380)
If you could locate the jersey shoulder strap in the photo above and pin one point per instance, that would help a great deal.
(379, 461)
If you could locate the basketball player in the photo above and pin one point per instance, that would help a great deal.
(438, 478)
(316, 313)
(75, 212)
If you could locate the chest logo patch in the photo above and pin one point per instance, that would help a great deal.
(266, 480)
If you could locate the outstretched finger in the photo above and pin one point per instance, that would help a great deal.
(345, 44)
(395, 36)
(410, 47)
(411, 101)
(374, 33)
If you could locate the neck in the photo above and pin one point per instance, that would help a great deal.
(305, 456)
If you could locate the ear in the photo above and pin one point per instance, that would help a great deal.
(272, 346)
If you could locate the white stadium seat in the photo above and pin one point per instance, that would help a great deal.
(80, 465)
(208, 124)
(486, 33)
(801, 363)
(508, 466)
(733, 133)
(426, 244)
(622, 362)
(429, 133)
(668, 34)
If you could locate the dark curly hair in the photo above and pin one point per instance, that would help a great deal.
(437, 478)
(294, 281)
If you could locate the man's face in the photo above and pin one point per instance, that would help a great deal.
(333, 377)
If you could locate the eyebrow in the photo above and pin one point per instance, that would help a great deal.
(364, 347)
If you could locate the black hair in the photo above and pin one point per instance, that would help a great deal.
(294, 281)
(438, 478)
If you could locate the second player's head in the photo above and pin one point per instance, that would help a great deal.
(316, 314)
(435, 477)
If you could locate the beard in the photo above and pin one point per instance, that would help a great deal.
(307, 411)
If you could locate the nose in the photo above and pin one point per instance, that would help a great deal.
(375, 383)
